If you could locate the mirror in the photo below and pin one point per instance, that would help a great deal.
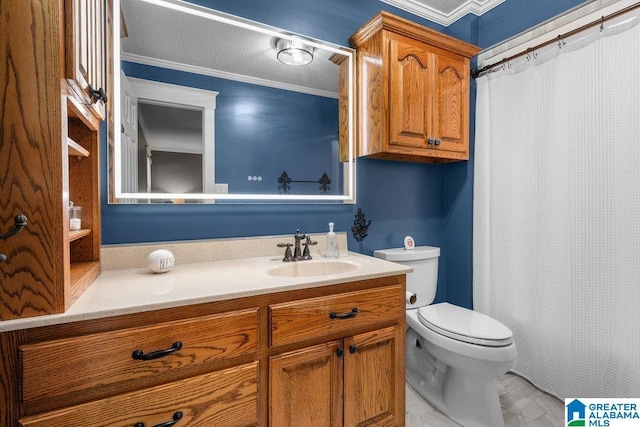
(215, 108)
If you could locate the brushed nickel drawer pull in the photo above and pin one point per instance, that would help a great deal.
(139, 354)
(352, 313)
(176, 417)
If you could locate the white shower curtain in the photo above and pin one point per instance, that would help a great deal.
(556, 235)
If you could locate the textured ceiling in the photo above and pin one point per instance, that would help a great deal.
(157, 35)
(173, 39)
(444, 12)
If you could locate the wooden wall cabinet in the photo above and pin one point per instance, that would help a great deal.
(413, 92)
(272, 360)
(85, 54)
(49, 156)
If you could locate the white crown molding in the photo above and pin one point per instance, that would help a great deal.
(422, 9)
(145, 60)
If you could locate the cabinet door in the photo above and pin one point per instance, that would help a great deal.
(85, 48)
(373, 389)
(306, 387)
(451, 108)
(409, 94)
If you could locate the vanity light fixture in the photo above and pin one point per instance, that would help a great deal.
(294, 52)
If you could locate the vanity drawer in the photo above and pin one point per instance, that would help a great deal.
(310, 318)
(55, 368)
(218, 399)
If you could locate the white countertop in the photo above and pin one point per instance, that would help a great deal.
(132, 290)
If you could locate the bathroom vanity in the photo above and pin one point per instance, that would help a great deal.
(245, 341)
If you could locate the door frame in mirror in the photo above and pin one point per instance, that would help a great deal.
(348, 195)
(181, 96)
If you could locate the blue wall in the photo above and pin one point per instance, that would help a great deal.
(263, 131)
(433, 203)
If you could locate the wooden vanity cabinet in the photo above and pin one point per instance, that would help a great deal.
(49, 155)
(355, 380)
(413, 91)
(196, 365)
(241, 363)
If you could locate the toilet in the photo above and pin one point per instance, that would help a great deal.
(454, 354)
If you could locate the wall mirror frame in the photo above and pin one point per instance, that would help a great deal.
(342, 132)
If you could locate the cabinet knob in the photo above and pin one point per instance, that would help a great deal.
(437, 141)
(340, 352)
(431, 141)
(353, 348)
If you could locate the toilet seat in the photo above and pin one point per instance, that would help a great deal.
(465, 325)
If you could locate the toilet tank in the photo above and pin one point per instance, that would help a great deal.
(423, 281)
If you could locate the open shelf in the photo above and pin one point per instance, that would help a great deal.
(76, 149)
(78, 234)
(82, 275)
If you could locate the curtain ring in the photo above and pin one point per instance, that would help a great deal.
(531, 54)
(560, 41)
(601, 23)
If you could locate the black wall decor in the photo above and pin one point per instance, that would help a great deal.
(360, 227)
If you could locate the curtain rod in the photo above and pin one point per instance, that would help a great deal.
(477, 73)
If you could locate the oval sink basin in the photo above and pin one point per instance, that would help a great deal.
(310, 268)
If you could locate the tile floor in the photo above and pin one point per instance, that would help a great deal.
(523, 405)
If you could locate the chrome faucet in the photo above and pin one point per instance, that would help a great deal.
(298, 254)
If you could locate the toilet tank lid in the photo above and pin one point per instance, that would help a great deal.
(402, 254)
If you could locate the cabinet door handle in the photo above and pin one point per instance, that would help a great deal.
(340, 352)
(20, 222)
(431, 141)
(176, 417)
(97, 95)
(352, 313)
(139, 354)
(437, 141)
(353, 348)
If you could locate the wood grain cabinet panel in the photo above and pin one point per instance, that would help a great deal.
(372, 376)
(72, 365)
(312, 318)
(413, 91)
(357, 381)
(48, 269)
(227, 398)
(85, 65)
(306, 387)
(356, 377)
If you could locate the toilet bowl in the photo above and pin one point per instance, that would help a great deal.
(453, 354)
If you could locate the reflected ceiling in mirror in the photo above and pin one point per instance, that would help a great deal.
(280, 132)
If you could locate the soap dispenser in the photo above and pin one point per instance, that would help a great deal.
(332, 251)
